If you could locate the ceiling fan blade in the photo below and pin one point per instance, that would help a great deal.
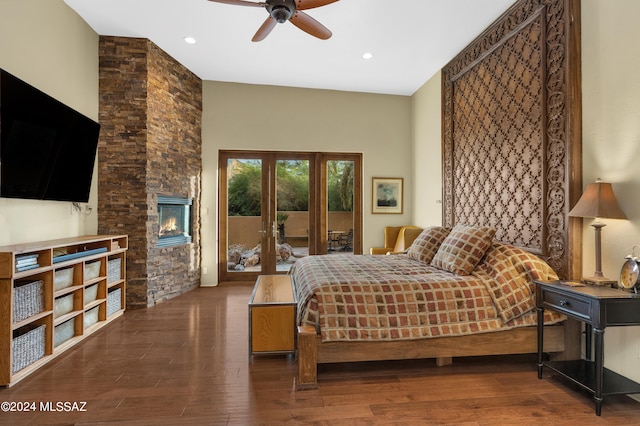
(240, 3)
(309, 25)
(310, 4)
(264, 29)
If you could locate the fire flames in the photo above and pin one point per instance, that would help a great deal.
(169, 228)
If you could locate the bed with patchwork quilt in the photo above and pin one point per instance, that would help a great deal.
(455, 292)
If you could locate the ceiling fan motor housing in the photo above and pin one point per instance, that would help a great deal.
(281, 10)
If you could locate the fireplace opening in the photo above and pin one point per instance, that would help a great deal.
(174, 220)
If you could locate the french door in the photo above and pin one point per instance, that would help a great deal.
(277, 207)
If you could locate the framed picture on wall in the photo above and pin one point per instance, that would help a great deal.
(387, 195)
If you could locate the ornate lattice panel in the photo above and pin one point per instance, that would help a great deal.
(508, 131)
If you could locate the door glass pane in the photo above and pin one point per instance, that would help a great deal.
(340, 206)
(244, 215)
(292, 207)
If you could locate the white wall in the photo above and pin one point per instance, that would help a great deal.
(252, 117)
(46, 44)
(426, 155)
(611, 147)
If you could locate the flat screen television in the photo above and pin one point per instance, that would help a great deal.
(47, 149)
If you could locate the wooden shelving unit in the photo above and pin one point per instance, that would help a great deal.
(55, 293)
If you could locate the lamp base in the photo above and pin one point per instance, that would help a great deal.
(601, 281)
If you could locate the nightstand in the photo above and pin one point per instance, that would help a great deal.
(597, 308)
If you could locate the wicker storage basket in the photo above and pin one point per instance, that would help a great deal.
(63, 278)
(62, 305)
(92, 270)
(90, 293)
(28, 300)
(114, 272)
(63, 332)
(28, 347)
(114, 301)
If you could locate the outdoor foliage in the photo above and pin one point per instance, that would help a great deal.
(292, 185)
(344, 176)
(244, 188)
(244, 192)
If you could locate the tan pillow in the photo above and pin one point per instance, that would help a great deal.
(463, 249)
(425, 246)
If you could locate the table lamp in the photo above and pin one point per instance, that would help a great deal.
(598, 201)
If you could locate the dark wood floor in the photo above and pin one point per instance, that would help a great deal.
(184, 362)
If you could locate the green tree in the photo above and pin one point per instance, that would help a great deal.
(346, 186)
(293, 185)
(340, 185)
(244, 192)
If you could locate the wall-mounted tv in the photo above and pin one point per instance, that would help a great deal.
(47, 149)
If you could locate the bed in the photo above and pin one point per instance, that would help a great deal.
(511, 162)
(455, 292)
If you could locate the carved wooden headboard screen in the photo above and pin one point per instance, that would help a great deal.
(512, 131)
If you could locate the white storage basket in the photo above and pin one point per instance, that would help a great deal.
(92, 270)
(62, 305)
(63, 278)
(91, 317)
(90, 293)
(63, 332)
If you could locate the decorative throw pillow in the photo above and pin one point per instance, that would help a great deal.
(509, 273)
(463, 249)
(425, 246)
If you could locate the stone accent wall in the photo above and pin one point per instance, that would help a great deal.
(150, 145)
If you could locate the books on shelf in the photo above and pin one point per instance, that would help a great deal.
(25, 262)
(27, 267)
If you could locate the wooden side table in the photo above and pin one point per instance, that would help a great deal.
(597, 308)
(272, 316)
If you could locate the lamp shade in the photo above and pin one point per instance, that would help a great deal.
(598, 201)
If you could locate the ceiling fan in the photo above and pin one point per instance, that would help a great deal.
(281, 11)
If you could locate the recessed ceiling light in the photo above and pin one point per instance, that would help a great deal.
(367, 55)
(190, 40)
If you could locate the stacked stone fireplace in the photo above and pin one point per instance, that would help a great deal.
(150, 144)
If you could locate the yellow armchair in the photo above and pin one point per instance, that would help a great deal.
(397, 239)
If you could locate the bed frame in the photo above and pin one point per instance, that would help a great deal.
(558, 339)
(511, 113)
